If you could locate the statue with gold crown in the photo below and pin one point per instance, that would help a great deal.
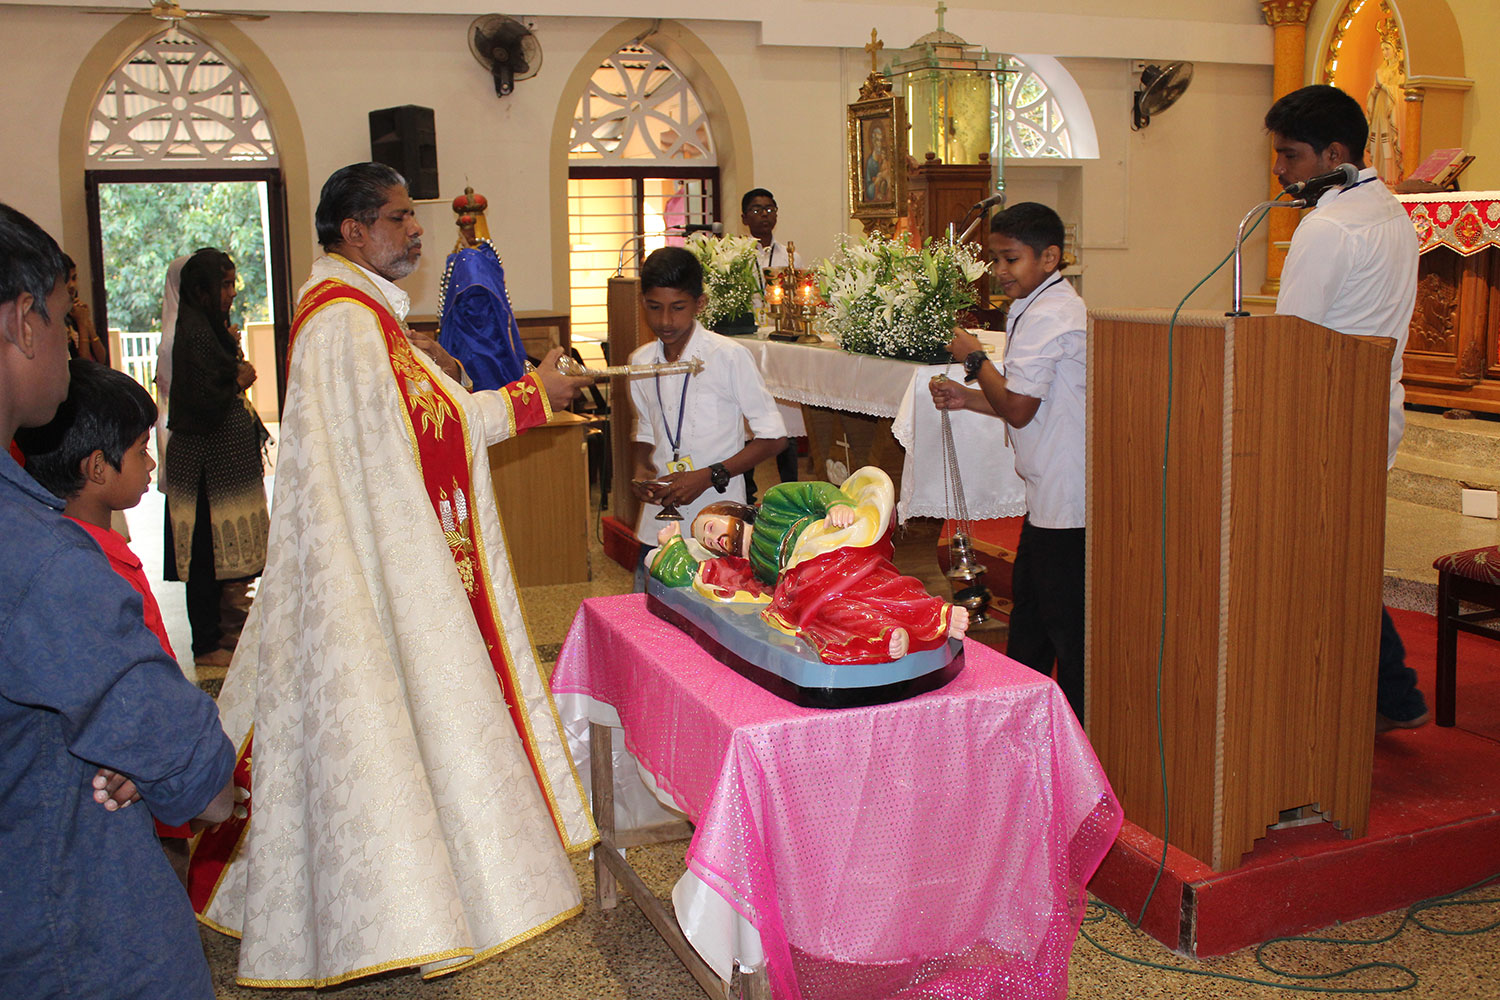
(476, 323)
(812, 563)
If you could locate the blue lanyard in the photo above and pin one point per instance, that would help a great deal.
(675, 442)
(1010, 323)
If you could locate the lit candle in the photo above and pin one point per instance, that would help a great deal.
(774, 295)
(805, 294)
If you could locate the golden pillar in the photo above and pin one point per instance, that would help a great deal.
(1288, 21)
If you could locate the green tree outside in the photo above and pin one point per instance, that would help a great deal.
(146, 226)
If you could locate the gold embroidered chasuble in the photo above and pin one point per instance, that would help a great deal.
(411, 800)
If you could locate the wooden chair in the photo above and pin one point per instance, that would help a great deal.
(1471, 577)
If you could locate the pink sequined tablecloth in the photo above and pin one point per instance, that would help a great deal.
(936, 847)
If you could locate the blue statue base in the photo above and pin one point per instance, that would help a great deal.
(790, 668)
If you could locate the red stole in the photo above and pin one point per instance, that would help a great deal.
(440, 443)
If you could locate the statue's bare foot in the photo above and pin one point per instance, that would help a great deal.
(900, 642)
(958, 621)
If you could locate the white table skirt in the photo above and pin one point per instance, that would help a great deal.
(718, 933)
(986, 464)
(825, 375)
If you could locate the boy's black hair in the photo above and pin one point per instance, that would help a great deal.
(30, 260)
(1031, 223)
(672, 267)
(1320, 115)
(106, 411)
(751, 195)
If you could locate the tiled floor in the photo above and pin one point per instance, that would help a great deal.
(617, 954)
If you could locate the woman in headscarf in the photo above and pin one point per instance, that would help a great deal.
(216, 498)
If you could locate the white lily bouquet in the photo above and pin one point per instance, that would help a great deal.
(729, 279)
(888, 299)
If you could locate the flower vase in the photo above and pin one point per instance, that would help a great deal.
(738, 326)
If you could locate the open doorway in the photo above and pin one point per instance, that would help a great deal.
(140, 221)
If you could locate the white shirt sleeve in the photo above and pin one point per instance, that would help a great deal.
(1315, 270)
(1031, 359)
(753, 398)
(642, 405)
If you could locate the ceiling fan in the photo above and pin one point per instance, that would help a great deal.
(167, 10)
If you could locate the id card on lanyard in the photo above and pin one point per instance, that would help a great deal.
(679, 462)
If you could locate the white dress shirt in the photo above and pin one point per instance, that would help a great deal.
(1046, 357)
(716, 406)
(1352, 267)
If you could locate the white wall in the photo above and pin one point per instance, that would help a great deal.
(1150, 207)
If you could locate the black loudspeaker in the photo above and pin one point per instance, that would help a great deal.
(406, 138)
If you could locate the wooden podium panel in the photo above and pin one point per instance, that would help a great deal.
(541, 482)
(626, 320)
(1268, 528)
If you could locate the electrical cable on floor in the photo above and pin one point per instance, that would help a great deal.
(1097, 912)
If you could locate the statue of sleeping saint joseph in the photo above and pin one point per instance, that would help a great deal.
(818, 556)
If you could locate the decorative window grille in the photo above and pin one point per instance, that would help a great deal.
(637, 106)
(641, 163)
(1029, 123)
(177, 103)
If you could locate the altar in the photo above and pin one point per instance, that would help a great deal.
(863, 410)
(942, 842)
(1452, 356)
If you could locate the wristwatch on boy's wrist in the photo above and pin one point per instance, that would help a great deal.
(719, 476)
(972, 363)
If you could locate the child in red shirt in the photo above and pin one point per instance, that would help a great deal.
(95, 455)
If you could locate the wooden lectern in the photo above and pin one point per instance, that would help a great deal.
(627, 330)
(1274, 496)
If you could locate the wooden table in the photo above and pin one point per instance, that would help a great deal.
(541, 481)
(943, 839)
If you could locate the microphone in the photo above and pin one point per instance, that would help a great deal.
(1307, 190)
(697, 227)
(992, 200)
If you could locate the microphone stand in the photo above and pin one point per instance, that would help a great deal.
(1239, 245)
(620, 267)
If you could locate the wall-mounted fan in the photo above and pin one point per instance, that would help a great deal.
(166, 10)
(1158, 90)
(506, 48)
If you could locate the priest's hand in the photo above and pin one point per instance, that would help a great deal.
(963, 344)
(561, 389)
(113, 790)
(434, 350)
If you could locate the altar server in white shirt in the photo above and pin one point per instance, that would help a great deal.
(758, 213)
(1039, 393)
(1352, 267)
(691, 445)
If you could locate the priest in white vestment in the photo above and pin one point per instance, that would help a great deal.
(397, 808)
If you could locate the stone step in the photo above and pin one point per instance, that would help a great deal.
(1439, 456)
(1474, 442)
(1435, 483)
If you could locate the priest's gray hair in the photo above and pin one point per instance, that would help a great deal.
(353, 192)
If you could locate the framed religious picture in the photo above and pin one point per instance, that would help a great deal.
(877, 160)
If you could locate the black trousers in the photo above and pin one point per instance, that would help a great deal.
(1046, 623)
(1396, 694)
(203, 588)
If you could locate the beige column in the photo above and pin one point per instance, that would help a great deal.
(1288, 20)
(1411, 132)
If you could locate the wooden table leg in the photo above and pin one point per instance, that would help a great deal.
(755, 985)
(602, 777)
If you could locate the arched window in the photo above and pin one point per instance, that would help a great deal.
(641, 162)
(177, 103)
(179, 154)
(1043, 114)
